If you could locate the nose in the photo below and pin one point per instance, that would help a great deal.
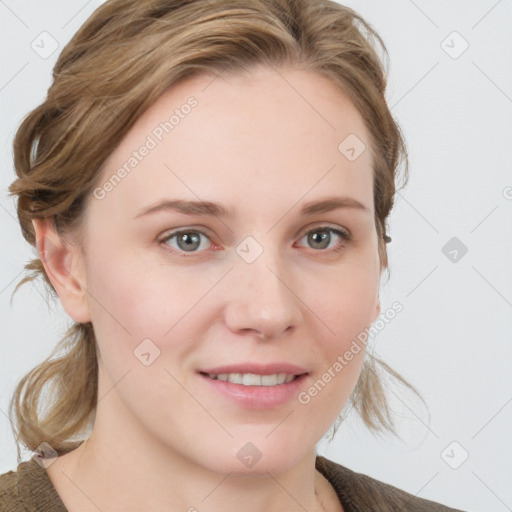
(262, 300)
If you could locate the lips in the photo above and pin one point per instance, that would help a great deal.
(255, 369)
(256, 386)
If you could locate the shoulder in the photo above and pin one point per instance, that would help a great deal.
(10, 496)
(360, 492)
(28, 489)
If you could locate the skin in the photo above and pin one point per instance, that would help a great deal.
(162, 439)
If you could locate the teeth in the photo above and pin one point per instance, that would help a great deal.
(269, 380)
(235, 378)
(248, 379)
(251, 379)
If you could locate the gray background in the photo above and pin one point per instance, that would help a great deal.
(452, 340)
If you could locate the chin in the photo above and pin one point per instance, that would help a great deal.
(256, 455)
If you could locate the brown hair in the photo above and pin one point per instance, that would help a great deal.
(122, 59)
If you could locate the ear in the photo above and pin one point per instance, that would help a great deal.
(65, 269)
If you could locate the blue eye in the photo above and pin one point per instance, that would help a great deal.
(190, 241)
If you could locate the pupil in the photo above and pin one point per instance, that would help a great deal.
(190, 241)
(322, 238)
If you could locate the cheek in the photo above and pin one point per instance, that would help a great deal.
(133, 299)
(131, 292)
(345, 300)
(346, 309)
(134, 312)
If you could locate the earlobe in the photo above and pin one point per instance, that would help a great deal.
(64, 268)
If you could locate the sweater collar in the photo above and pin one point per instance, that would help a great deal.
(36, 489)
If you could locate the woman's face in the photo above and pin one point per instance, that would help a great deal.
(244, 289)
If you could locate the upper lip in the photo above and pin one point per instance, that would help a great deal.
(256, 369)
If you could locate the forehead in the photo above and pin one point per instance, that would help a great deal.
(268, 133)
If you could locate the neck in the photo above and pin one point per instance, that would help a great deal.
(122, 467)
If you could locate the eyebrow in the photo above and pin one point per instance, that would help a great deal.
(214, 209)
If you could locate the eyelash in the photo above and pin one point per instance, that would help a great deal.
(344, 235)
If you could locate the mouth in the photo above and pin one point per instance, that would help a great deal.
(255, 386)
(253, 379)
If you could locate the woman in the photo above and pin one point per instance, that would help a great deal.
(207, 184)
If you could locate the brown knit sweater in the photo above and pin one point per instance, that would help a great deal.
(28, 489)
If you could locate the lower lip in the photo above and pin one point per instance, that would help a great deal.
(257, 397)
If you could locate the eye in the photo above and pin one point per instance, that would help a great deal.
(186, 240)
(321, 237)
